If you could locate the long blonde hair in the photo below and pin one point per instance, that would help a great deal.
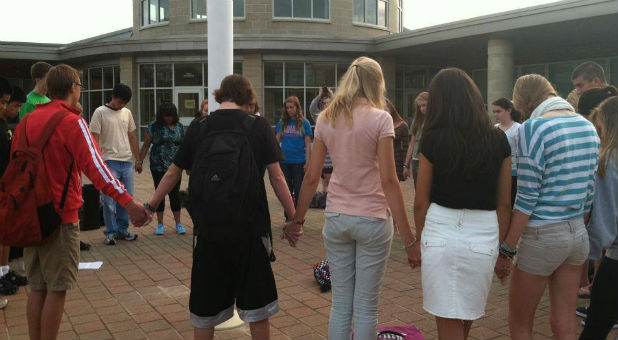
(419, 116)
(363, 79)
(530, 91)
(605, 118)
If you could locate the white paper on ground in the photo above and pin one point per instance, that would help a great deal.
(90, 265)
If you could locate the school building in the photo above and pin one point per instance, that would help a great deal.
(294, 47)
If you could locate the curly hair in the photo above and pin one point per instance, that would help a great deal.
(285, 118)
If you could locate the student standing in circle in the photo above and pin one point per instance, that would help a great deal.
(558, 156)
(420, 109)
(358, 134)
(294, 133)
(165, 134)
(507, 119)
(462, 204)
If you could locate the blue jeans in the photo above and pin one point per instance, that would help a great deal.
(294, 173)
(116, 217)
(358, 248)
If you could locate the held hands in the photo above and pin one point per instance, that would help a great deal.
(139, 168)
(292, 232)
(138, 214)
(414, 255)
(406, 173)
(503, 268)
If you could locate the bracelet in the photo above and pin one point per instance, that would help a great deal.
(411, 243)
(406, 166)
(139, 162)
(149, 207)
(297, 222)
(506, 251)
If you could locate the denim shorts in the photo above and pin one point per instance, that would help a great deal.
(543, 249)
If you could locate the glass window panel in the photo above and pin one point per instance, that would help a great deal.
(116, 75)
(302, 8)
(321, 9)
(144, 4)
(560, 77)
(273, 74)
(613, 71)
(147, 108)
(86, 79)
(294, 74)
(165, 96)
(198, 9)
(283, 8)
(154, 4)
(533, 69)
(108, 77)
(238, 68)
(206, 76)
(341, 69)
(188, 104)
(96, 78)
(146, 75)
(163, 10)
(415, 80)
(372, 12)
(381, 13)
(273, 102)
(399, 80)
(164, 75)
(359, 10)
(96, 99)
(399, 105)
(188, 74)
(85, 99)
(239, 8)
(320, 75)
(480, 78)
(107, 97)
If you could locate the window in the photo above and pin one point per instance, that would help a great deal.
(304, 80)
(400, 15)
(374, 12)
(99, 83)
(302, 9)
(154, 11)
(198, 9)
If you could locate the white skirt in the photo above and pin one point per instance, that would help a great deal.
(459, 251)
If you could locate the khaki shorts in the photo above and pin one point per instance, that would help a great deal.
(543, 249)
(53, 266)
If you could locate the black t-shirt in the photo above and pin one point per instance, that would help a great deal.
(5, 145)
(455, 188)
(263, 142)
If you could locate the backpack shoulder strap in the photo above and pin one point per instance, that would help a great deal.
(49, 129)
(248, 122)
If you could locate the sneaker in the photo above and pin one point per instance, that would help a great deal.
(110, 240)
(16, 279)
(3, 303)
(615, 326)
(160, 230)
(84, 246)
(6, 287)
(128, 236)
(180, 229)
(582, 312)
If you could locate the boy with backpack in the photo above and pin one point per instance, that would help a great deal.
(228, 153)
(40, 195)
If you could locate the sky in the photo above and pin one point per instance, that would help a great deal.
(65, 21)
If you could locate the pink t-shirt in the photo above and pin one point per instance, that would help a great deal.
(355, 187)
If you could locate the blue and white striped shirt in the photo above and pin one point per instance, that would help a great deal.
(557, 159)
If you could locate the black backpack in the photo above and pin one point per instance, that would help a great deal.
(225, 182)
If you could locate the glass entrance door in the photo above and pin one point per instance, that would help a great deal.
(187, 100)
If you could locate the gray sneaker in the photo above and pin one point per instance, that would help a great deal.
(128, 236)
(110, 240)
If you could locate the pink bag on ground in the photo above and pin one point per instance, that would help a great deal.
(408, 332)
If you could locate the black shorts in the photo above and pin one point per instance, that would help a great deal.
(225, 274)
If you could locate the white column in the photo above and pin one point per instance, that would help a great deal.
(221, 42)
(500, 69)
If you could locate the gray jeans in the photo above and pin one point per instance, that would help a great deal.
(358, 248)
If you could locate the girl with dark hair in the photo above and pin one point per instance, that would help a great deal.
(402, 138)
(294, 133)
(165, 134)
(462, 204)
(506, 115)
(420, 109)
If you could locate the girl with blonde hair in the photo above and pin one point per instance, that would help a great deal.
(558, 156)
(420, 109)
(358, 134)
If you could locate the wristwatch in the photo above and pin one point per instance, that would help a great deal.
(149, 207)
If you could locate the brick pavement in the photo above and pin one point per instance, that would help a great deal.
(141, 292)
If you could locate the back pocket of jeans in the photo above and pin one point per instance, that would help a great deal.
(483, 255)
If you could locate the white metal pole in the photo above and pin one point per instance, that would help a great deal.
(221, 42)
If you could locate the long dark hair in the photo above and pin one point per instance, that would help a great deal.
(506, 104)
(456, 105)
(167, 109)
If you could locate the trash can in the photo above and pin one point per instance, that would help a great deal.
(90, 214)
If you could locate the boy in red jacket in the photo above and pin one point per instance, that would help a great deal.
(52, 267)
